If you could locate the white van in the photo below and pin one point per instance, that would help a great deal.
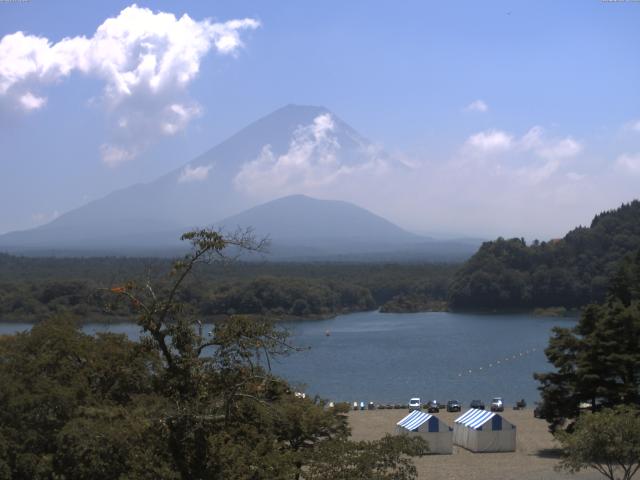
(414, 404)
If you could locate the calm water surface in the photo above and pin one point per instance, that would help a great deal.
(387, 358)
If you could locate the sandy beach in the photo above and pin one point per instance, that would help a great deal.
(534, 459)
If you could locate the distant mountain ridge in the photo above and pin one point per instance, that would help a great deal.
(569, 272)
(300, 218)
(147, 219)
(167, 203)
(304, 228)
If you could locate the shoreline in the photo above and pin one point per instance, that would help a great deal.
(106, 320)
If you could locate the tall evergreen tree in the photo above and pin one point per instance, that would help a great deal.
(597, 361)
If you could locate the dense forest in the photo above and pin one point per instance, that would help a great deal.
(35, 288)
(570, 272)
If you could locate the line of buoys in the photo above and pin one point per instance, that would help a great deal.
(498, 362)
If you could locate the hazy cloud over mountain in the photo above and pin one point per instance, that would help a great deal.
(315, 161)
(194, 174)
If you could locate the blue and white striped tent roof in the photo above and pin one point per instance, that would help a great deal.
(475, 418)
(414, 420)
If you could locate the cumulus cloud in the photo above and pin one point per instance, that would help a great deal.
(534, 140)
(564, 148)
(533, 157)
(29, 101)
(489, 141)
(191, 174)
(145, 59)
(313, 160)
(629, 163)
(496, 183)
(477, 106)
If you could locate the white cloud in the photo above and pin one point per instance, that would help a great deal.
(313, 162)
(565, 148)
(178, 116)
(477, 106)
(534, 140)
(113, 155)
(629, 163)
(29, 101)
(489, 141)
(145, 59)
(197, 174)
(532, 157)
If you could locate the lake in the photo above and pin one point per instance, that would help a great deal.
(388, 357)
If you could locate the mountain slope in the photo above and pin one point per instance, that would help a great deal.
(304, 220)
(301, 228)
(569, 272)
(134, 215)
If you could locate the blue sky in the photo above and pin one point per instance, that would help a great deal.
(552, 138)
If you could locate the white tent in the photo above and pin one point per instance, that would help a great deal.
(483, 431)
(437, 433)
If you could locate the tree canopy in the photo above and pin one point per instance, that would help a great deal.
(607, 441)
(570, 272)
(598, 361)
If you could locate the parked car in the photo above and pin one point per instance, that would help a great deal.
(497, 405)
(453, 406)
(537, 411)
(433, 407)
(414, 404)
(477, 404)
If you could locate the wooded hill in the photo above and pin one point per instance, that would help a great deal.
(570, 272)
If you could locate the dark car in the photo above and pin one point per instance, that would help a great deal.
(453, 406)
(477, 404)
(537, 411)
(433, 407)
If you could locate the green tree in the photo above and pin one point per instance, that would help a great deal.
(52, 376)
(386, 459)
(607, 441)
(223, 394)
(597, 361)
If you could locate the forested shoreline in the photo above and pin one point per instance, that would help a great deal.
(34, 288)
(504, 275)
